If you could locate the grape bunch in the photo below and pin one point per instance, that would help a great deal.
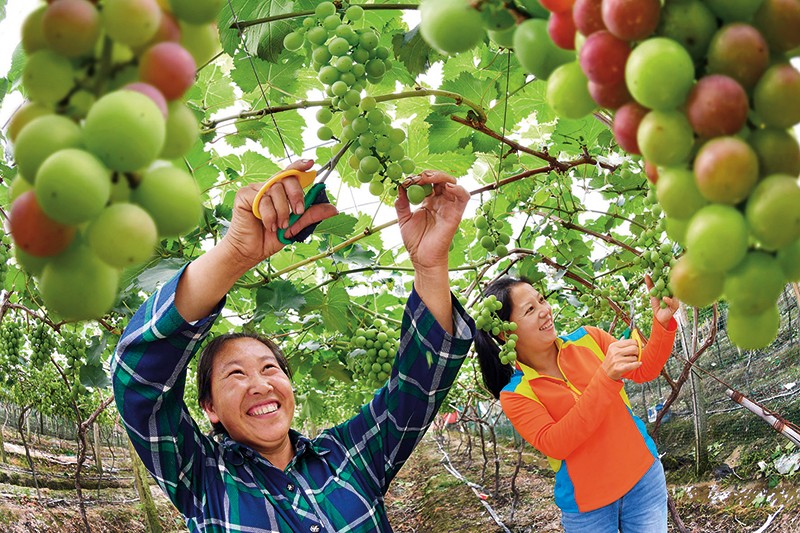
(346, 60)
(493, 232)
(5, 246)
(705, 92)
(656, 257)
(43, 345)
(486, 319)
(372, 351)
(74, 349)
(96, 188)
(11, 341)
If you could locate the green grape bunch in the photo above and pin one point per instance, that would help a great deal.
(347, 60)
(656, 257)
(99, 145)
(5, 248)
(11, 340)
(493, 232)
(43, 345)
(372, 351)
(486, 319)
(74, 349)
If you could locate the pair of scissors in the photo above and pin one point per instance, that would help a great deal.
(631, 332)
(315, 195)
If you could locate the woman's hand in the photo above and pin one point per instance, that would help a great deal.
(663, 315)
(428, 231)
(622, 357)
(251, 240)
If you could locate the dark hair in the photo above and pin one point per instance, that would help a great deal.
(496, 375)
(206, 364)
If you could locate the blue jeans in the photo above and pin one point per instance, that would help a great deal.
(643, 509)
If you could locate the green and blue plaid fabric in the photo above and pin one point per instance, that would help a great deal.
(336, 481)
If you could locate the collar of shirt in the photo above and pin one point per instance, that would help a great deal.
(236, 452)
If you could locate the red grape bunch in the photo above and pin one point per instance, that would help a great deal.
(705, 92)
(95, 188)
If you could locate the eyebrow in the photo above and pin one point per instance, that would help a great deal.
(267, 358)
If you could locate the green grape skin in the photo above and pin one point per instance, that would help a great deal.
(182, 131)
(293, 41)
(72, 186)
(171, 196)
(41, 138)
(416, 194)
(47, 77)
(125, 130)
(77, 285)
(123, 235)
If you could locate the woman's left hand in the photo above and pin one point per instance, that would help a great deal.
(662, 314)
(428, 231)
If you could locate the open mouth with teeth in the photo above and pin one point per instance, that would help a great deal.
(546, 325)
(264, 409)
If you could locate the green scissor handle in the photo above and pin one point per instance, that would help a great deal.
(315, 195)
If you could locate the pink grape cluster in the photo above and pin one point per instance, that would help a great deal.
(95, 188)
(704, 90)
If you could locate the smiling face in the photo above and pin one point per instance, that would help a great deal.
(534, 319)
(252, 397)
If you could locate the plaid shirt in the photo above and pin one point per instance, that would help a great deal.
(334, 483)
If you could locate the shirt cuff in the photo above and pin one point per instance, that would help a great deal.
(463, 325)
(169, 320)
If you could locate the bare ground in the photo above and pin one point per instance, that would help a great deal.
(442, 488)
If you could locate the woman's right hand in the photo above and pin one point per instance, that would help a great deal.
(622, 357)
(252, 240)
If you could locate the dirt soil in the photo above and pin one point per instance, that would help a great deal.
(444, 487)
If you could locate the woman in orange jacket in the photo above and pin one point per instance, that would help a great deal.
(565, 396)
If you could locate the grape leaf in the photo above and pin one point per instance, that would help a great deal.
(276, 298)
(341, 225)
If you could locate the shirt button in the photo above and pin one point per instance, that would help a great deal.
(290, 487)
(314, 529)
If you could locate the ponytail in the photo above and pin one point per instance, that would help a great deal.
(496, 375)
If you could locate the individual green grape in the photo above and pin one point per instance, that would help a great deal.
(416, 194)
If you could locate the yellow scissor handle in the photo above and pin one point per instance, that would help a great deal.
(305, 178)
(638, 338)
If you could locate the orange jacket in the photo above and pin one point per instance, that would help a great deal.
(585, 426)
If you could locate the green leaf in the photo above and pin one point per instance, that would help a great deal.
(275, 79)
(276, 298)
(153, 275)
(94, 376)
(446, 134)
(341, 225)
(212, 92)
(335, 310)
(412, 50)
(94, 353)
(18, 60)
(265, 40)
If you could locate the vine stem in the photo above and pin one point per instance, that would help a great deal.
(211, 125)
(264, 20)
(371, 230)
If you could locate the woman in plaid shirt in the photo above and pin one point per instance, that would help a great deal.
(261, 475)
